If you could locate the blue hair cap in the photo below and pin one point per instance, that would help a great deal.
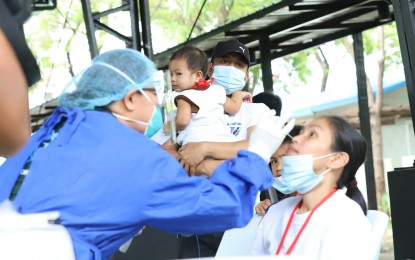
(109, 78)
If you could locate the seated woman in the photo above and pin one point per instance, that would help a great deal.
(325, 222)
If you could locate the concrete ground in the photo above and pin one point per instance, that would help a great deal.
(387, 246)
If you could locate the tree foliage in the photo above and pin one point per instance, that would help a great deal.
(371, 44)
(177, 17)
(300, 64)
(52, 34)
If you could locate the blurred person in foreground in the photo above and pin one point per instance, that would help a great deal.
(18, 71)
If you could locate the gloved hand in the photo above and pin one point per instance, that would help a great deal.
(269, 134)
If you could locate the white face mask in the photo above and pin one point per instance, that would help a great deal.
(297, 174)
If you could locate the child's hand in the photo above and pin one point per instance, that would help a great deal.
(261, 208)
(247, 97)
(166, 128)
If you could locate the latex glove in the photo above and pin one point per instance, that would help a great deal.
(269, 134)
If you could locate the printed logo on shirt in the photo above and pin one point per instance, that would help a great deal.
(235, 128)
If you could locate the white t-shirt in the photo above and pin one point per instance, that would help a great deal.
(338, 229)
(248, 115)
(209, 123)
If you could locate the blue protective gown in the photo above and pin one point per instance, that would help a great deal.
(108, 181)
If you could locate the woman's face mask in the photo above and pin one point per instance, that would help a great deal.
(229, 77)
(297, 174)
(155, 123)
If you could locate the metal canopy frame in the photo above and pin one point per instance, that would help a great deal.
(137, 40)
(285, 27)
(292, 26)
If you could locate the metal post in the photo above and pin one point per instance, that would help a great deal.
(146, 28)
(402, 180)
(364, 116)
(404, 11)
(135, 29)
(265, 52)
(90, 28)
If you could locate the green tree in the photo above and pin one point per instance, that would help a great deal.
(52, 34)
(177, 17)
(298, 68)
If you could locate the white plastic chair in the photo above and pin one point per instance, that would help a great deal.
(379, 221)
(239, 241)
(30, 236)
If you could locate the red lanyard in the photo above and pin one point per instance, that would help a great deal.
(290, 249)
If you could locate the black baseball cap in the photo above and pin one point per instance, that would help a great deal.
(224, 47)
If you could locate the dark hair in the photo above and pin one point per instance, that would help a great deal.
(195, 58)
(270, 100)
(348, 140)
(294, 132)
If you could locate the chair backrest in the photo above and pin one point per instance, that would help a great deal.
(239, 241)
(30, 236)
(379, 221)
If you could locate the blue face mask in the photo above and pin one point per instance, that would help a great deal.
(229, 77)
(282, 186)
(297, 174)
(155, 123)
(153, 126)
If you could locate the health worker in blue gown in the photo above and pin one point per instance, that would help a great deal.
(93, 161)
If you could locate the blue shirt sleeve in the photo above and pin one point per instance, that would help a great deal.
(199, 205)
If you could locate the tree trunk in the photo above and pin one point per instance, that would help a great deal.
(324, 67)
(377, 124)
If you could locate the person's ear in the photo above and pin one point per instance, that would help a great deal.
(128, 100)
(246, 77)
(339, 160)
(199, 75)
(210, 69)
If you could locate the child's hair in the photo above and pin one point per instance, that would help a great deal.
(270, 100)
(294, 132)
(195, 58)
(348, 140)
